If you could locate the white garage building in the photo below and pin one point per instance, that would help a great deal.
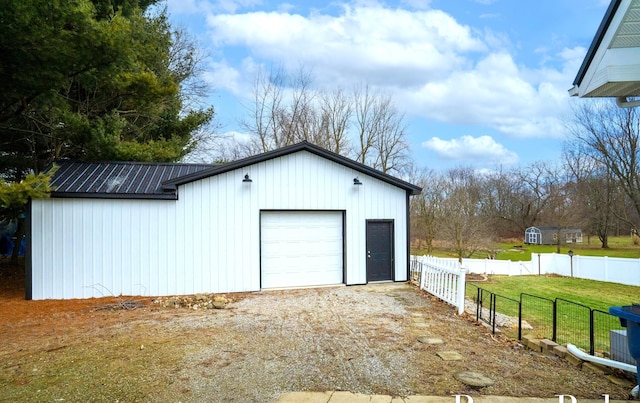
(294, 217)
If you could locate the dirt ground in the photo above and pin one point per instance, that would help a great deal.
(366, 339)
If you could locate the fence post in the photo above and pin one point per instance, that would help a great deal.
(592, 336)
(493, 314)
(555, 320)
(462, 284)
(478, 303)
(520, 318)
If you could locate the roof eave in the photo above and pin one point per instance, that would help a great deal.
(595, 44)
(124, 196)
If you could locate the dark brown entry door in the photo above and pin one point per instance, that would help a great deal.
(379, 250)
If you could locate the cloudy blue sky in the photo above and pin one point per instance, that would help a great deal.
(483, 83)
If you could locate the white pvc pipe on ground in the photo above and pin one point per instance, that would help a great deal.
(604, 361)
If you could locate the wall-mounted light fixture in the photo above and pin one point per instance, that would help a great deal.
(356, 181)
(247, 179)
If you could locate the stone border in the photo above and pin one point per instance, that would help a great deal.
(548, 347)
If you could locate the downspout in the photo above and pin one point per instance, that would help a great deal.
(624, 102)
(603, 361)
(28, 253)
(408, 229)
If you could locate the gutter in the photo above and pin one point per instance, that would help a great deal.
(574, 91)
(623, 102)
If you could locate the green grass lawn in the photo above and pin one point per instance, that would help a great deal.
(595, 294)
(572, 320)
(621, 246)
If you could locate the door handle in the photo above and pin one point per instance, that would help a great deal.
(369, 253)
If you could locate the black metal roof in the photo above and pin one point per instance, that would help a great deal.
(171, 185)
(597, 40)
(130, 180)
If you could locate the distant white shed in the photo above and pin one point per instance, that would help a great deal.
(549, 235)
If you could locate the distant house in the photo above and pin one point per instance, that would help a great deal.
(549, 235)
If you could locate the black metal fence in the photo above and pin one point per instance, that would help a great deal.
(573, 324)
(559, 319)
(495, 310)
(538, 313)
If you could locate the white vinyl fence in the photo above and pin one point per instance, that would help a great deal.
(502, 267)
(443, 278)
(610, 269)
(614, 270)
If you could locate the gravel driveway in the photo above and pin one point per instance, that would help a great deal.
(316, 339)
(366, 339)
(375, 339)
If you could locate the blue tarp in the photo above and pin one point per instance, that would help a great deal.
(6, 246)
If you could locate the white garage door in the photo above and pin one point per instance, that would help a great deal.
(301, 248)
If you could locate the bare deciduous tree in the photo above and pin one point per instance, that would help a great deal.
(597, 194)
(611, 136)
(536, 194)
(366, 122)
(267, 101)
(391, 148)
(185, 63)
(380, 131)
(503, 195)
(462, 224)
(337, 110)
(561, 210)
(286, 110)
(425, 207)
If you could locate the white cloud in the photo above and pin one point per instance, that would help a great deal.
(472, 149)
(573, 56)
(382, 46)
(236, 137)
(221, 75)
(517, 101)
(435, 67)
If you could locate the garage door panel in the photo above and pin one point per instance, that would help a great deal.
(301, 249)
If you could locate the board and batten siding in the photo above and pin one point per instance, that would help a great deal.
(97, 247)
(209, 239)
